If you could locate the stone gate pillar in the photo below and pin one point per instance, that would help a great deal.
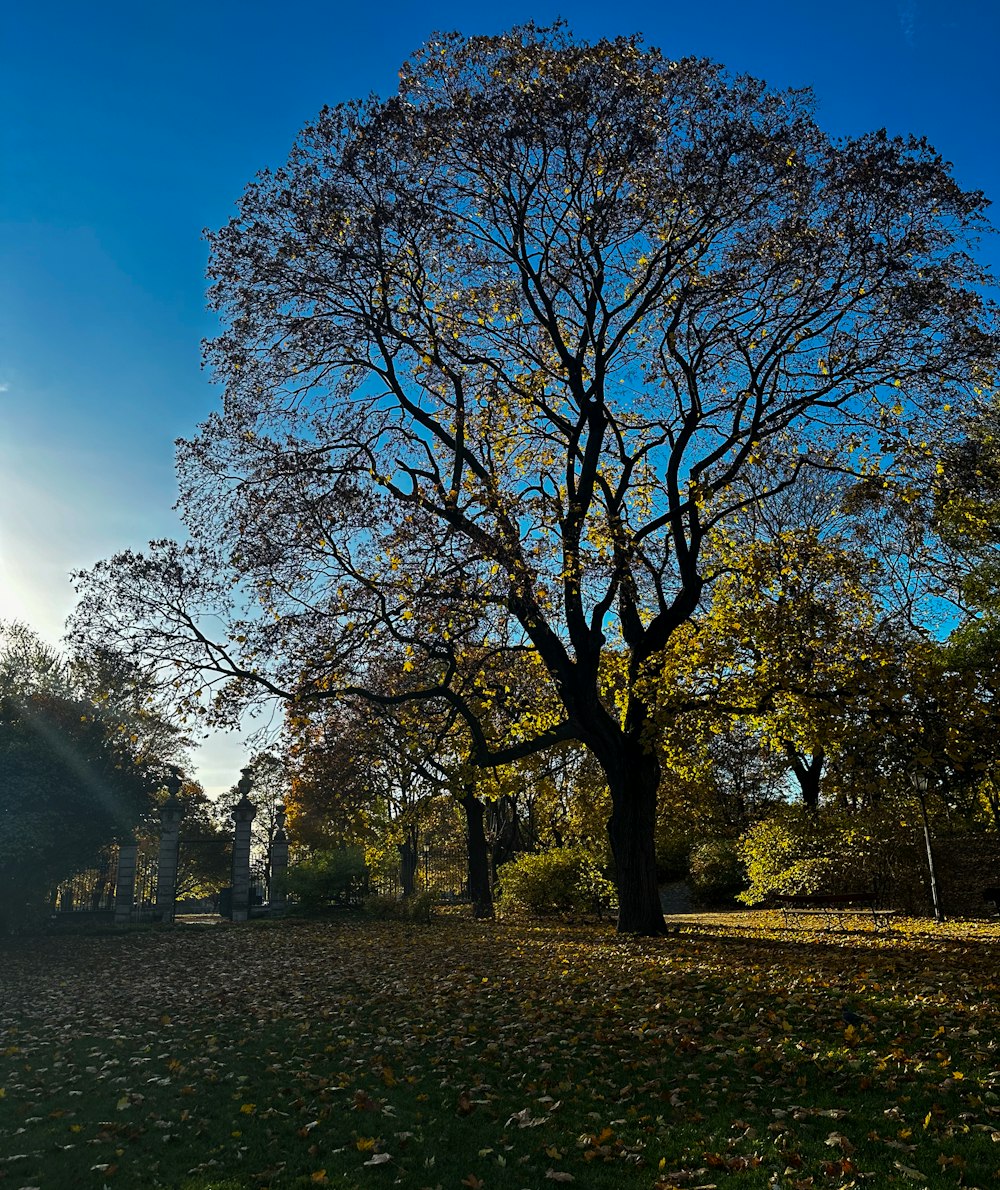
(278, 863)
(166, 864)
(128, 855)
(243, 815)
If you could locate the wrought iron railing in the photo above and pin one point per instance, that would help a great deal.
(89, 891)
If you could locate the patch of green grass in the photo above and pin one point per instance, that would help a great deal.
(511, 1057)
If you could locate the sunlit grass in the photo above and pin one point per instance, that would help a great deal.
(737, 1053)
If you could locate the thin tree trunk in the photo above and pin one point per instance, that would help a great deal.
(479, 865)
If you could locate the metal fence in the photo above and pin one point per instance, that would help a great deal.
(440, 870)
(445, 871)
(144, 899)
(89, 891)
(259, 885)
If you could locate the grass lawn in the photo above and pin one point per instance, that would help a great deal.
(366, 1054)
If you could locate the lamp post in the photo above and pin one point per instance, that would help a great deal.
(921, 783)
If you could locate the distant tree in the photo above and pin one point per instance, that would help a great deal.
(503, 352)
(74, 776)
(719, 775)
(790, 647)
(205, 857)
(364, 775)
(269, 791)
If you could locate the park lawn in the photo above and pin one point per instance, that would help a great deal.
(460, 1054)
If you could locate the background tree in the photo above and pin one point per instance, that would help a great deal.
(719, 776)
(269, 793)
(391, 762)
(204, 862)
(72, 777)
(503, 352)
(363, 775)
(793, 645)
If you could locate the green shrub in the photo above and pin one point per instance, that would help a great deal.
(796, 851)
(417, 907)
(336, 877)
(563, 880)
(715, 872)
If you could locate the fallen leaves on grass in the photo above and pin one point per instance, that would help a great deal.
(533, 1055)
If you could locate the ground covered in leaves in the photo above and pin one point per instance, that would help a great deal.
(734, 1054)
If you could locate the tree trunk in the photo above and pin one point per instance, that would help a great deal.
(504, 835)
(408, 866)
(808, 772)
(633, 780)
(480, 889)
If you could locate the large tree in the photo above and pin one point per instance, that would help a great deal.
(500, 354)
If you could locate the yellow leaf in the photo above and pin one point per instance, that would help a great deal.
(248, 1109)
(365, 1143)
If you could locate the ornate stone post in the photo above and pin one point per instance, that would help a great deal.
(166, 864)
(243, 814)
(128, 854)
(278, 862)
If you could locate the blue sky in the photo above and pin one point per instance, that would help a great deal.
(125, 128)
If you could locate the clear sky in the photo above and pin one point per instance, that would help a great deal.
(125, 128)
